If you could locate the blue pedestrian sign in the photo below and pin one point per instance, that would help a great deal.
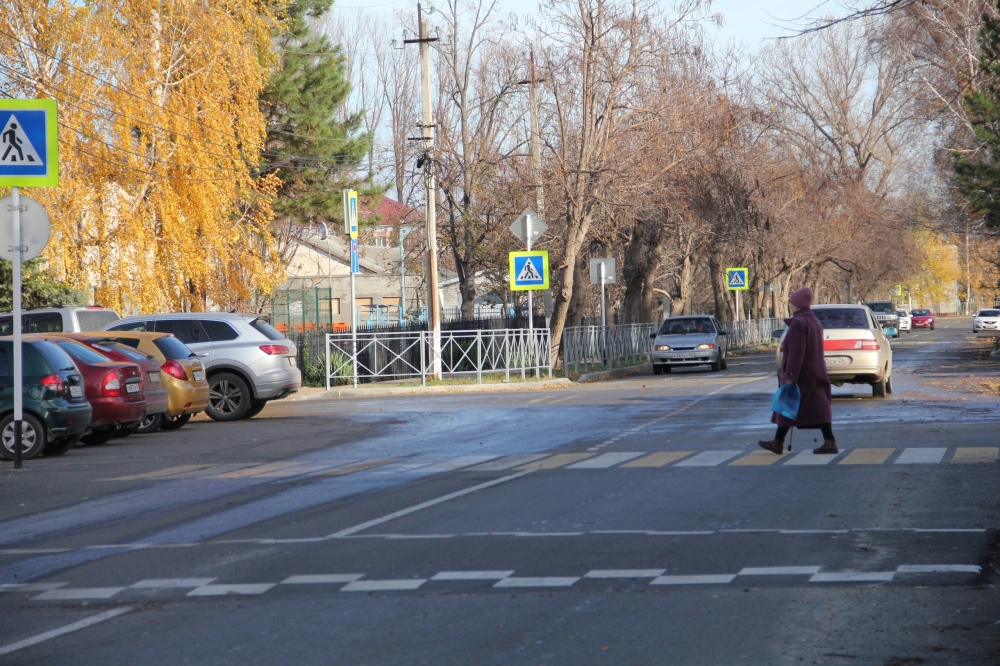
(736, 279)
(29, 145)
(529, 270)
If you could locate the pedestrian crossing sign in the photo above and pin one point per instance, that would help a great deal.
(29, 145)
(529, 270)
(736, 279)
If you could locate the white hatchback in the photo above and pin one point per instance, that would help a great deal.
(986, 320)
(905, 321)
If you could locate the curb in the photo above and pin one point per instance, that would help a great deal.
(336, 392)
(617, 372)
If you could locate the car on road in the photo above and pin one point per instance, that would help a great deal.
(905, 322)
(68, 319)
(885, 314)
(922, 318)
(688, 341)
(182, 372)
(56, 412)
(248, 362)
(986, 320)
(856, 348)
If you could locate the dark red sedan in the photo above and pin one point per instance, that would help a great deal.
(113, 389)
(923, 319)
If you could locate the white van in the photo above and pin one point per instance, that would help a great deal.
(68, 319)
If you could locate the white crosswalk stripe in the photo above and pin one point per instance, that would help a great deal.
(708, 459)
(921, 456)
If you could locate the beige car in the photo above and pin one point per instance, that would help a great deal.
(856, 349)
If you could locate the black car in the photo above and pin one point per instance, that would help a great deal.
(886, 316)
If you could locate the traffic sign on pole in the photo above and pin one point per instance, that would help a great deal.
(528, 219)
(29, 143)
(529, 271)
(350, 198)
(737, 279)
(35, 229)
(608, 276)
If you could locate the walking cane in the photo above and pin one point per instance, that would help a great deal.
(790, 433)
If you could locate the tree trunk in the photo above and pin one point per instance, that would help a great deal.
(643, 258)
(579, 302)
(723, 308)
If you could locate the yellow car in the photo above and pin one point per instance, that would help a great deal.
(183, 376)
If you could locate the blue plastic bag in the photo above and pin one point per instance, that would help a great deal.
(786, 401)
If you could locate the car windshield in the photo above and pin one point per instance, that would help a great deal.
(989, 313)
(119, 348)
(902, 313)
(841, 317)
(882, 308)
(921, 313)
(698, 326)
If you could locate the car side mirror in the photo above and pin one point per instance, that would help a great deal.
(652, 336)
(778, 334)
(723, 333)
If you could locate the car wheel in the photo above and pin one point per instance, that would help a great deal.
(228, 397)
(175, 422)
(878, 388)
(60, 445)
(149, 424)
(98, 437)
(256, 408)
(724, 362)
(717, 365)
(888, 384)
(932, 327)
(32, 437)
(126, 429)
(657, 370)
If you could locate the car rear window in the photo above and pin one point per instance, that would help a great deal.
(883, 308)
(124, 350)
(172, 348)
(81, 353)
(989, 313)
(269, 332)
(95, 320)
(921, 313)
(43, 322)
(687, 326)
(841, 317)
(138, 326)
(219, 331)
(46, 358)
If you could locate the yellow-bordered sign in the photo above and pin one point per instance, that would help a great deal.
(29, 143)
(737, 279)
(529, 270)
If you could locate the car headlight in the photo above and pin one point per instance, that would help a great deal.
(661, 348)
(703, 346)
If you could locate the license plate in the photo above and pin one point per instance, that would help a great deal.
(154, 377)
(76, 391)
(682, 356)
(133, 388)
(291, 361)
(837, 360)
(199, 376)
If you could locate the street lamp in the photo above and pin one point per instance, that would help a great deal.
(324, 234)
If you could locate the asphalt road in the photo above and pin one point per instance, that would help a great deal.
(624, 522)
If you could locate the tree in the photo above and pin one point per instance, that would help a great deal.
(38, 289)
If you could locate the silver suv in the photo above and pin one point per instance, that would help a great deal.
(248, 361)
(68, 319)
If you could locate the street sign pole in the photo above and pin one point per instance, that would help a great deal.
(739, 306)
(531, 302)
(604, 316)
(15, 234)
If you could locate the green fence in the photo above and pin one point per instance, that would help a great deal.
(302, 310)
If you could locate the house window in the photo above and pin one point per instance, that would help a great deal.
(335, 306)
(392, 300)
(380, 242)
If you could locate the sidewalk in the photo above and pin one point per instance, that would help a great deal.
(312, 393)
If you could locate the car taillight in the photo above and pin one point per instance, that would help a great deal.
(851, 345)
(174, 369)
(53, 383)
(274, 349)
(112, 385)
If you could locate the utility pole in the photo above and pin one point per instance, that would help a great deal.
(968, 273)
(536, 167)
(427, 136)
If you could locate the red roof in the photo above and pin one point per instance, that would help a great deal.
(392, 212)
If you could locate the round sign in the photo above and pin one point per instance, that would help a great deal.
(35, 228)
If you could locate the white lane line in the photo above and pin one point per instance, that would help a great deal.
(423, 505)
(710, 579)
(813, 531)
(30, 587)
(321, 578)
(62, 631)
(810, 458)
(383, 585)
(472, 575)
(75, 593)
(223, 590)
(624, 573)
(976, 529)
(854, 577)
(921, 456)
(547, 581)
(708, 459)
(606, 460)
(162, 583)
(938, 568)
(779, 571)
(548, 534)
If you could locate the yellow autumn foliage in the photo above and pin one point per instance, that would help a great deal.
(937, 273)
(159, 136)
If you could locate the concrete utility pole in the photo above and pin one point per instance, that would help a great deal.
(536, 167)
(427, 134)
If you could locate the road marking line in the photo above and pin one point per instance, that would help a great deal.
(72, 593)
(711, 579)
(778, 571)
(160, 583)
(809, 458)
(659, 459)
(813, 531)
(606, 460)
(383, 585)
(854, 577)
(756, 458)
(549, 581)
(548, 534)
(258, 470)
(679, 533)
(708, 459)
(975, 454)
(624, 573)
(358, 466)
(921, 456)
(223, 590)
(33, 551)
(472, 575)
(867, 457)
(170, 471)
(321, 578)
(507, 462)
(418, 536)
(62, 631)
(555, 461)
(30, 587)
(423, 505)
(458, 463)
(974, 529)
(938, 568)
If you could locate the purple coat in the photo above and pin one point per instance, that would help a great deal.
(802, 362)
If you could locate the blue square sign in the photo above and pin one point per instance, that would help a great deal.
(529, 270)
(28, 143)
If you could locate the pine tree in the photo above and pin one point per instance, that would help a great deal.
(312, 151)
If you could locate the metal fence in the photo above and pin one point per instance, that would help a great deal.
(392, 355)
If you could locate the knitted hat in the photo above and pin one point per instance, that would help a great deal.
(801, 298)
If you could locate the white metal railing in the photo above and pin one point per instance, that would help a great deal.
(378, 356)
(752, 333)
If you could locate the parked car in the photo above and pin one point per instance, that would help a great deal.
(986, 320)
(183, 376)
(247, 360)
(856, 348)
(55, 410)
(69, 319)
(905, 322)
(922, 318)
(686, 341)
(157, 396)
(885, 314)
(113, 389)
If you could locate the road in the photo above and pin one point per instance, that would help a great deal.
(623, 522)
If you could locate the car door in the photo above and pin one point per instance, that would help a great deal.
(6, 377)
(721, 338)
(191, 333)
(226, 343)
(885, 350)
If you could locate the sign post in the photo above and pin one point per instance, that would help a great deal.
(350, 198)
(602, 272)
(527, 227)
(736, 280)
(29, 157)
